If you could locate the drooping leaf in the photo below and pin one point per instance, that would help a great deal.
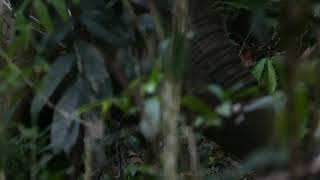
(150, 123)
(95, 70)
(43, 14)
(60, 7)
(58, 35)
(259, 69)
(65, 125)
(50, 82)
(103, 33)
(22, 26)
(198, 106)
(20, 41)
(272, 77)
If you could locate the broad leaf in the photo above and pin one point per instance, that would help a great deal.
(50, 82)
(65, 125)
(95, 70)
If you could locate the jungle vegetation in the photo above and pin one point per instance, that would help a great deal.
(159, 89)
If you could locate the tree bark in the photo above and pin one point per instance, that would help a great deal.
(213, 58)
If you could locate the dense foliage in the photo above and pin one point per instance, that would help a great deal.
(120, 89)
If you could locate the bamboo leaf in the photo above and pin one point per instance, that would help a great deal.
(43, 14)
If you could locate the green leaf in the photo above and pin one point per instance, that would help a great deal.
(60, 7)
(150, 87)
(50, 82)
(301, 107)
(198, 106)
(272, 82)
(259, 69)
(77, 2)
(22, 39)
(22, 26)
(43, 14)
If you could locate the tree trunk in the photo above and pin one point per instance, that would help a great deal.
(214, 61)
(213, 57)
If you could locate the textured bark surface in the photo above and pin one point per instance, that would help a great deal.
(213, 58)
